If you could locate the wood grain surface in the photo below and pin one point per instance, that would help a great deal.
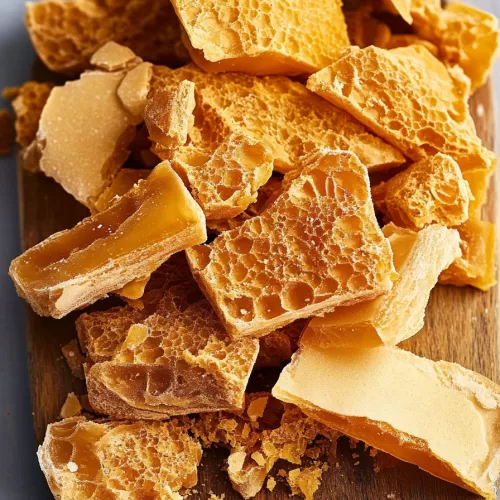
(461, 326)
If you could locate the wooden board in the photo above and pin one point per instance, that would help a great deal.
(461, 326)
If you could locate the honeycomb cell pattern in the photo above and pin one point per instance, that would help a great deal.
(280, 112)
(464, 35)
(92, 460)
(168, 114)
(431, 191)
(316, 247)
(65, 34)
(226, 181)
(176, 359)
(409, 98)
(265, 37)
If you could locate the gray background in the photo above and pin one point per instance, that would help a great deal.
(20, 476)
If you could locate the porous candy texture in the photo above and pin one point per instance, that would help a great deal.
(429, 191)
(409, 98)
(267, 430)
(90, 460)
(264, 38)
(316, 247)
(477, 265)
(168, 114)
(463, 34)
(226, 181)
(282, 113)
(28, 105)
(65, 34)
(175, 360)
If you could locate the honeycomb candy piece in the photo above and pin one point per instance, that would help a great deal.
(400, 40)
(66, 34)
(365, 29)
(306, 481)
(278, 346)
(124, 180)
(84, 134)
(479, 181)
(104, 252)
(280, 432)
(6, 132)
(83, 459)
(227, 181)
(293, 126)
(316, 247)
(72, 354)
(101, 333)
(419, 258)
(168, 114)
(71, 407)
(171, 358)
(430, 191)
(464, 35)
(409, 98)
(477, 265)
(263, 39)
(28, 105)
(436, 415)
(134, 89)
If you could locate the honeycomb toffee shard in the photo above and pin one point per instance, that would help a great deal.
(441, 417)
(409, 98)
(84, 134)
(316, 247)
(66, 34)
(293, 126)
(82, 459)
(104, 252)
(419, 258)
(477, 265)
(463, 34)
(169, 113)
(263, 38)
(171, 357)
(431, 191)
(226, 181)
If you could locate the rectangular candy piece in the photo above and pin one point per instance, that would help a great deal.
(173, 357)
(409, 98)
(430, 191)
(419, 258)
(84, 459)
(104, 252)
(441, 417)
(287, 37)
(292, 126)
(318, 246)
(477, 265)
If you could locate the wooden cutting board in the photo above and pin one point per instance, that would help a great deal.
(461, 326)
